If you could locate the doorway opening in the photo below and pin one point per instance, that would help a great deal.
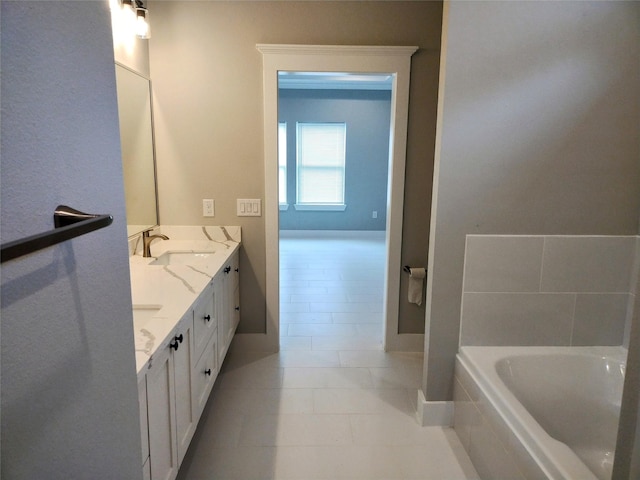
(392, 61)
(333, 175)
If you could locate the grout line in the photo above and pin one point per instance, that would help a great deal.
(573, 318)
(544, 249)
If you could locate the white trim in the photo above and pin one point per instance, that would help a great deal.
(393, 60)
(320, 207)
(334, 51)
(434, 414)
(335, 234)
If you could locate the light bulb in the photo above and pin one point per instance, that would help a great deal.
(142, 23)
(128, 15)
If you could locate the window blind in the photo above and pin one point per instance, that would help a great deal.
(321, 163)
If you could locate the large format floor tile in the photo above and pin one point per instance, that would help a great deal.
(331, 404)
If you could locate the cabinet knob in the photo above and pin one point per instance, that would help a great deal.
(207, 317)
(174, 345)
(237, 309)
(237, 269)
(207, 371)
(179, 338)
(227, 269)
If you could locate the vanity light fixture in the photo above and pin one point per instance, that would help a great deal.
(131, 18)
(143, 30)
(128, 15)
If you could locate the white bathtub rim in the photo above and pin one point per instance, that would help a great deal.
(554, 458)
(526, 439)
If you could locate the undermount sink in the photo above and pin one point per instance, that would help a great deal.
(181, 258)
(143, 314)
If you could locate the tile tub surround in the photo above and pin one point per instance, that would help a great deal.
(176, 287)
(546, 290)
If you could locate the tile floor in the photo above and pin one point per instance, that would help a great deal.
(331, 404)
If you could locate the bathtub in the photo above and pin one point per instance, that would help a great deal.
(539, 412)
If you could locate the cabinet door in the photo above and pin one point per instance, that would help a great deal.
(236, 312)
(205, 373)
(235, 269)
(205, 320)
(144, 423)
(232, 311)
(235, 294)
(232, 308)
(185, 420)
(228, 305)
(161, 414)
(223, 317)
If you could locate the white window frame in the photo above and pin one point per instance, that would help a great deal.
(300, 168)
(282, 166)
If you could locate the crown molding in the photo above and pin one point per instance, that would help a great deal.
(360, 50)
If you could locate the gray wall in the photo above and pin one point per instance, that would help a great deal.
(538, 134)
(367, 117)
(207, 79)
(69, 396)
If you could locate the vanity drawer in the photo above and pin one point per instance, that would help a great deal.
(205, 321)
(204, 375)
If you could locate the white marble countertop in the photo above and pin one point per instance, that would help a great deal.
(169, 292)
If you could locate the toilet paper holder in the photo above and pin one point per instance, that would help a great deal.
(407, 268)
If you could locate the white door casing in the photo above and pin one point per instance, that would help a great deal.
(394, 60)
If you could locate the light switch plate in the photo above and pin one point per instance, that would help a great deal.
(208, 207)
(249, 207)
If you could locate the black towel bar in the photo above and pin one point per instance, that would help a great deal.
(68, 222)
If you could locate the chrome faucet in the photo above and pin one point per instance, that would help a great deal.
(146, 242)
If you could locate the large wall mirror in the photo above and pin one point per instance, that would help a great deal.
(136, 138)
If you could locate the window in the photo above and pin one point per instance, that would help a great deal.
(321, 166)
(282, 163)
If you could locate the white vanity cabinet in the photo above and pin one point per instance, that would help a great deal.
(176, 383)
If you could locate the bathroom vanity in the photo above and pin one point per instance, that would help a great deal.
(185, 313)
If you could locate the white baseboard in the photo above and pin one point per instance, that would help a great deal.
(356, 234)
(434, 414)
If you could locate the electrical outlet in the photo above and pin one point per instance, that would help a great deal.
(374, 214)
(208, 207)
